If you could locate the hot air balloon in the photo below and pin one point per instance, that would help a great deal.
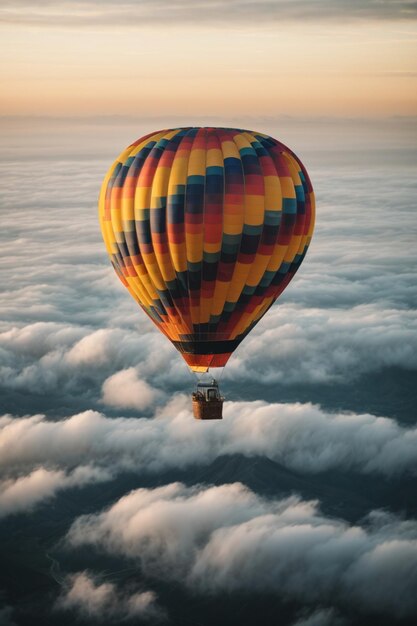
(206, 227)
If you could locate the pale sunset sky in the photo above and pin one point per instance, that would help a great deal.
(299, 58)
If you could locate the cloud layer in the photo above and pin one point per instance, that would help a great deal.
(72, 339)
(68, 326)
(38, 456)
(302, 437)
(74, 361)
(228, 538)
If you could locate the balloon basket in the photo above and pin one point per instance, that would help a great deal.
(207, 409)
(207, 401)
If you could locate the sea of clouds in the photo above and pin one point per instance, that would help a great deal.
(38, 456)
(90, 390)
(67, 325)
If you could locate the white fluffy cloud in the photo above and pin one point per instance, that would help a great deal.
(301, 437)
(298, 344)
(51, 357)
(85, 594)
(126, 390)
(23, 493)
(228, 538)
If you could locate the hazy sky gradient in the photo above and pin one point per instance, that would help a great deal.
(211, 58)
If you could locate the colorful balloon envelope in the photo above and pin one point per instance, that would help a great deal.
(206, 227)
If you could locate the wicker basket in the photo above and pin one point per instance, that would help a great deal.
(207, 409)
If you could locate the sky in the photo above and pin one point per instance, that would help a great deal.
(164, 57)
(115, 504)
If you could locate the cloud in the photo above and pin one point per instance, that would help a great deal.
(126, 390)
(298, 344)
(228, 538)
(93, 350)
(74, 362)
(78, 363)
(23, 493)
(85, 594)
(302, 437)
(215, 12)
